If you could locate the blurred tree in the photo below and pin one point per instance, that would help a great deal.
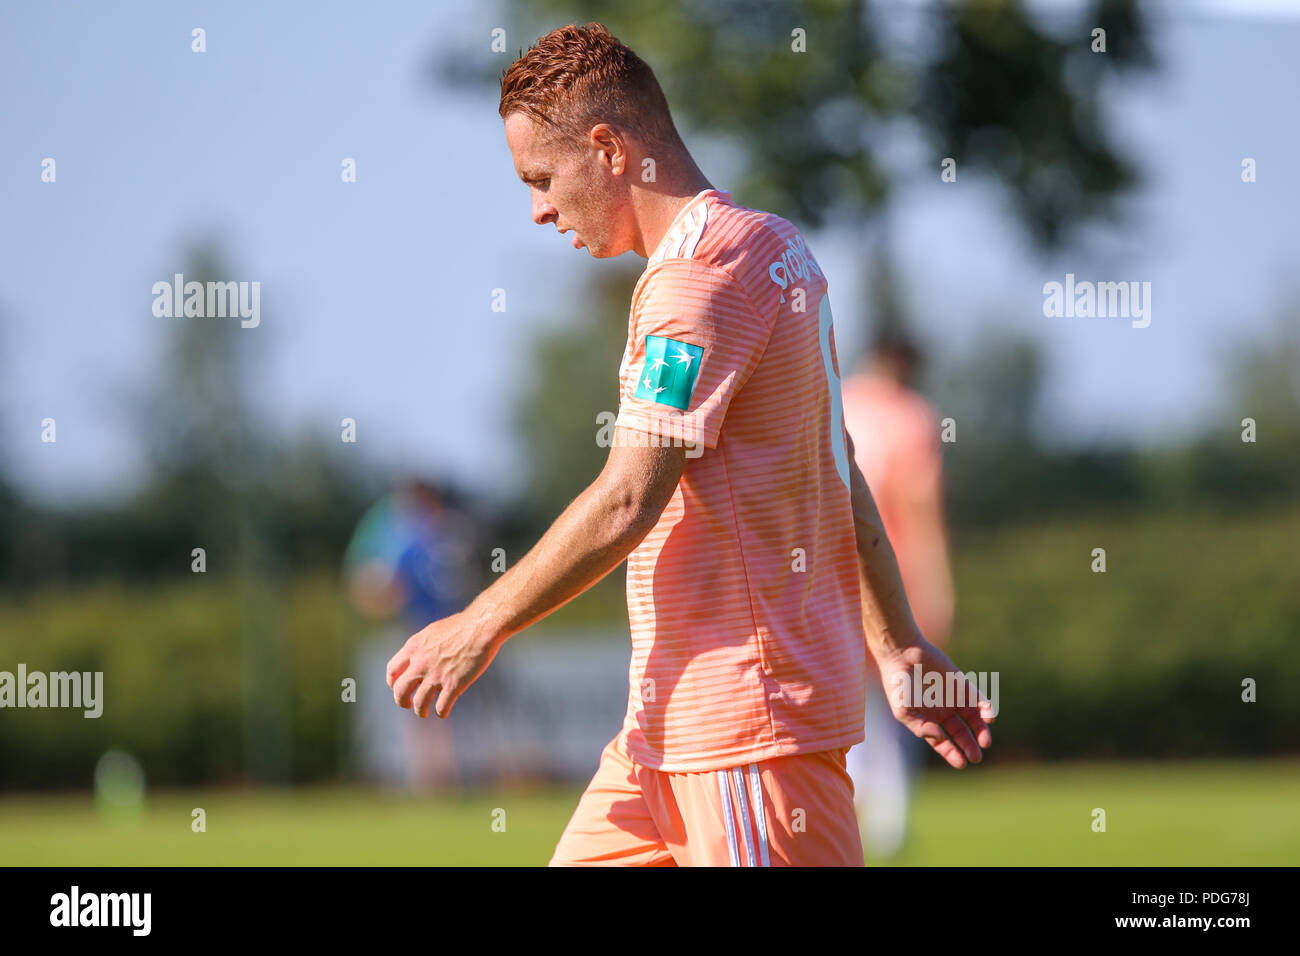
(206, 455)
(1264, 386)
(574, 379)
(1001, 466)
(1265, 379)
(217, 470)
(10, 504)
(213, 466)
(1010, 99)
(10, 521)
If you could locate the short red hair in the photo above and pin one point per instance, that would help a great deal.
(575, 77)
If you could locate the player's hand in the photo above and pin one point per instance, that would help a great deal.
(442, 660)
(955, 732)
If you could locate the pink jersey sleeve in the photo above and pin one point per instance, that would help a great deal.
(695, 304)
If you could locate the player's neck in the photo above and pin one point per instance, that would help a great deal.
(658, 207)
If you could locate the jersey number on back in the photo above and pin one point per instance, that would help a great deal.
(833, 383)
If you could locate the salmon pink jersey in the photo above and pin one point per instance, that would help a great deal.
(747, 633)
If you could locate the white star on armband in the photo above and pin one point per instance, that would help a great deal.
(684, 356)
(646, 381)
(658, 362)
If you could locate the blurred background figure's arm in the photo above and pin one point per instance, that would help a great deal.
(370, 571)
(928, 575)
(374, 591)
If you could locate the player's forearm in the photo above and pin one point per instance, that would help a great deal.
(887, 617)
(587, 541)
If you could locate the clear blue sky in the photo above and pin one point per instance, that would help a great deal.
(376, 296)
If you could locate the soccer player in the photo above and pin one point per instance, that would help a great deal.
(758, 573)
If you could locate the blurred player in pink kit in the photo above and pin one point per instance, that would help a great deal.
(896, 442)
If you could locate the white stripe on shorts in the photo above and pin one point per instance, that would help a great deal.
(732, 849)
(760, 814)
(738, 778)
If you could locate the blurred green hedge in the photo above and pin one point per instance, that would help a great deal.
(1146, 659)
(176, 684)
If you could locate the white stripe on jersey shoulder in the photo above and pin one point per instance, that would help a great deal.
(685, 235)
(694, 226)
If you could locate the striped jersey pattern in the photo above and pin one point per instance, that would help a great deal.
(747, 634)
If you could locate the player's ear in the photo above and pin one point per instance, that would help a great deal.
(609, 144)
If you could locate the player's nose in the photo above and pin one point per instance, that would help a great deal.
(543, 211)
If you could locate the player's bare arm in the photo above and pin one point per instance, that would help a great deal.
(592, 537)
(955, 733)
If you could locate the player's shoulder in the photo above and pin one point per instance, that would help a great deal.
(875, 398)
(759, 252)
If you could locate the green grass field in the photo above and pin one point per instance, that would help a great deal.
(1203, 813)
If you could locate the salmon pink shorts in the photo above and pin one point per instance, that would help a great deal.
(786, 811)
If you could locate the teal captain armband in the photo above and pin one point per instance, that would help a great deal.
(671, 368)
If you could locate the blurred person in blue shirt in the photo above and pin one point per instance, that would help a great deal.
(409, 562)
